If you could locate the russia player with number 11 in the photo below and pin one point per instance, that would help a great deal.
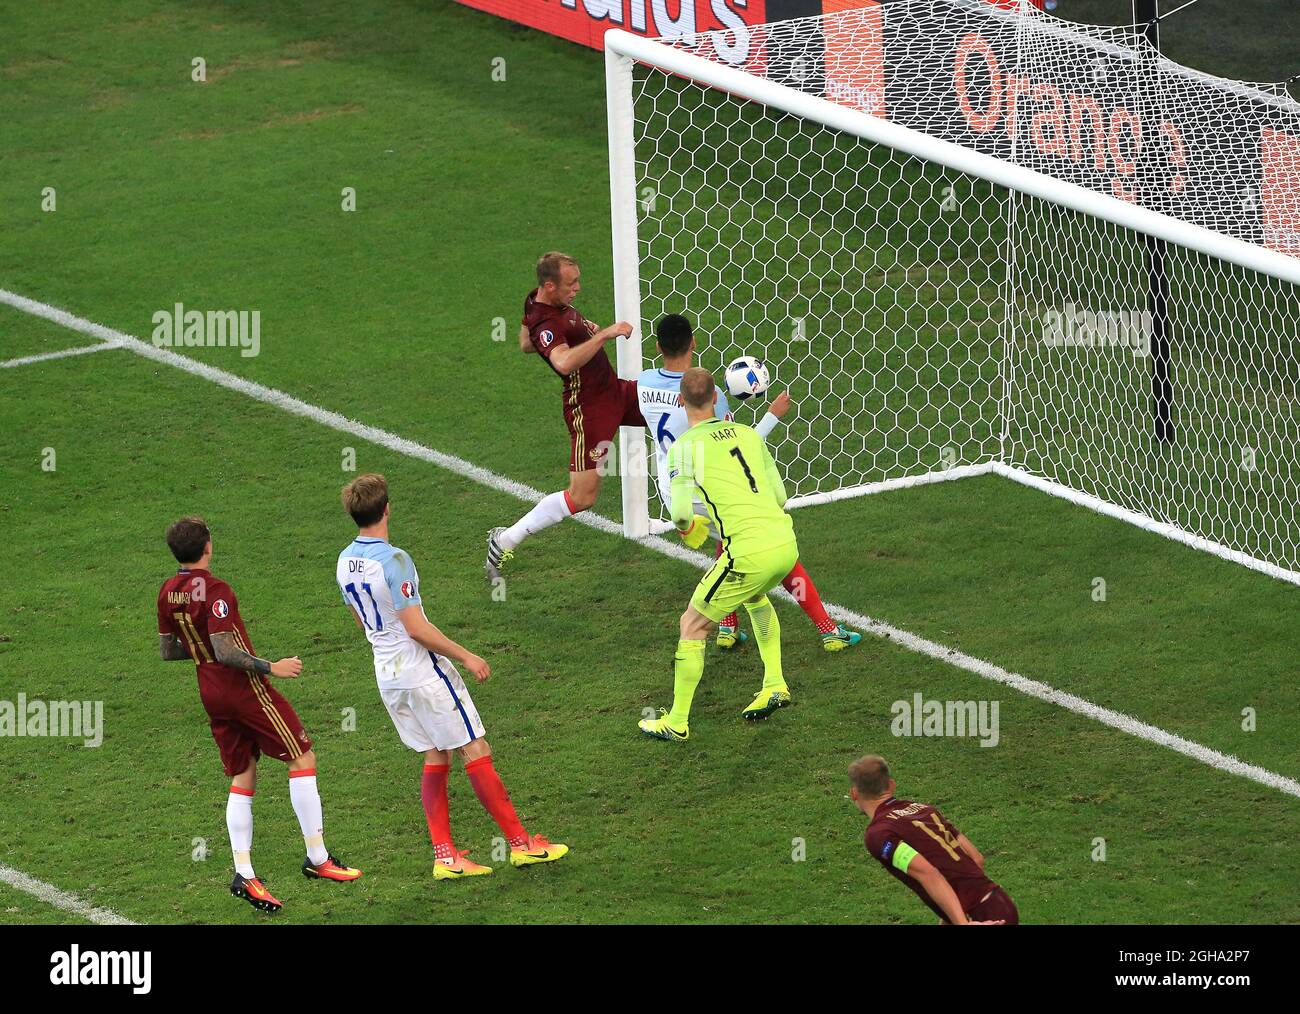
(198, 619)
(424, 694)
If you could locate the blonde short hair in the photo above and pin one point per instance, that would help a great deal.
(697, 387)
(870, 775)
(365, 498)
(549, 266)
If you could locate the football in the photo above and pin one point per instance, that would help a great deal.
(746, 377)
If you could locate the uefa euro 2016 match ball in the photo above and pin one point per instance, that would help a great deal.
(747, 377)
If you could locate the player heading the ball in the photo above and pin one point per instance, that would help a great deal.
(727, 467)
(198, 618)
(595, 400)
(420, 686)
(659, 392)
(921, 848)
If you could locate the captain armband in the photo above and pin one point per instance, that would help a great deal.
(903, 856)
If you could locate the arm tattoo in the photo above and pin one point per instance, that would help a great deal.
(172, 648)
(228, 653)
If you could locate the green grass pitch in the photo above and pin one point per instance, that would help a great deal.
(227, 194)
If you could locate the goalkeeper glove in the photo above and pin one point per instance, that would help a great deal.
(697, 533)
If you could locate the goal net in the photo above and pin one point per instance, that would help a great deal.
(971, 240)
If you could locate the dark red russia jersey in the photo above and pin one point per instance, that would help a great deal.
(193, 606)
(553, 326)
(919, 826)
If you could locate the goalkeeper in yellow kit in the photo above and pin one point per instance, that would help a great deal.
(727, 467)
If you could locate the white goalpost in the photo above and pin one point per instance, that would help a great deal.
(976, 241)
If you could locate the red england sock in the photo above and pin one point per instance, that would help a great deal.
(730, 619)
(801, 586)
(433, 793)
(496, 800)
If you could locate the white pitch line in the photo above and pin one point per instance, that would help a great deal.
(986, 670)
(61, 354)
(52, 895)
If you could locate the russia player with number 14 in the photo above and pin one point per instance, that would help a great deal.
(920, 848)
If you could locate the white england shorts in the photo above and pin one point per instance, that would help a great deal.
(436, 716)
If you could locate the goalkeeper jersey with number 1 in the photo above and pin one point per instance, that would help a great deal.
(726, 466)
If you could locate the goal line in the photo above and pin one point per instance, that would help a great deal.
(927, 358)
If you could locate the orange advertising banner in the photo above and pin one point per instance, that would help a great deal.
(1279, 191)
(587, 21)
(855, 57)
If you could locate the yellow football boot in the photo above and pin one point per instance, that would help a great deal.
(840, 638)
(660, 729)
(729, 637)
(767, 702)
(456, 866)
(538, 850)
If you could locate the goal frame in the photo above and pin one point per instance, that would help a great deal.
(623, 49)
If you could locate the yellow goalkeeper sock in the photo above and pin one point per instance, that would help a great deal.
(688, 667)
(767, 632)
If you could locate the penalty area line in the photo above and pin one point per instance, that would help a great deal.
(61, 899)
(912, 642)
(45, 357)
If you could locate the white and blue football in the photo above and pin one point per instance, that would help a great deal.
(747, 377)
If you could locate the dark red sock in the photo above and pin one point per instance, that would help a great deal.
(433, 793)
(801, 586)
(496, 800)
(730, 619)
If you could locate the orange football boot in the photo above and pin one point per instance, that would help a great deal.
(252, 891)
(330, 869)
(456, 866)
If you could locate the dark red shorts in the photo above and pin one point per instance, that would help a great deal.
(998, 905)
(593, 423)
(254, 720)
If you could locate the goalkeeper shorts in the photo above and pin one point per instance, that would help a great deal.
(729, 583)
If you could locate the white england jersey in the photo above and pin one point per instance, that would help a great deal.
(659, 393)
(377, 580)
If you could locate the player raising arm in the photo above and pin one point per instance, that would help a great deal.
(198, 618)
(659, 392)
(596, 401)
(420, 686)
(918, 846)
(726, 466)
